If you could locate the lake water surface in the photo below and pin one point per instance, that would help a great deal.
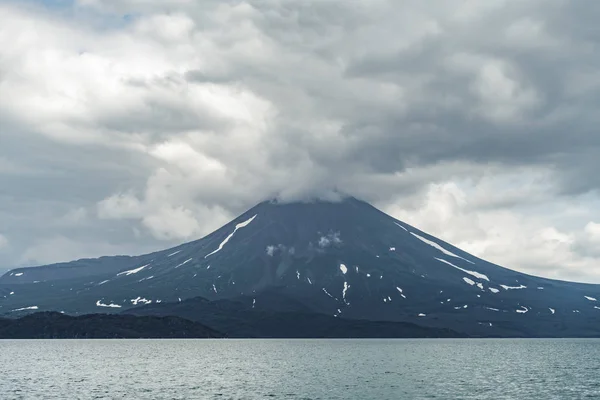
(300, 369)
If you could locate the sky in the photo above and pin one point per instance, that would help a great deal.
(134, 125)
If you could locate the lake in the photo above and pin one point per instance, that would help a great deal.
(300, 369)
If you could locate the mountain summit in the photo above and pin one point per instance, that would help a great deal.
(344, 259)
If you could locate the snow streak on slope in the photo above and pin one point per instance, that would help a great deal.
(132, 271)
(472, 273)
(440, 248)
(238, 226)
(26, 308)
(183, 263)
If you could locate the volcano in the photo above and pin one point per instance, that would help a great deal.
(344, 259)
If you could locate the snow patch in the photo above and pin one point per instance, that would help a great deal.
(145, 279)
(494, 290)
(26, 308)
(309, 281)
(224, 242)
(493, 309)
(590, 298)
(437, 246)
(298, 275)
(111, 305)
(513, 287)
(552, 310)
(392, 249)
(132, 271)
(346, 287)
(215, 288)
(172, 254)
(480, 286)
(469, 281)
(253, 302)
(11, 293)
(271, 250)
(103, 282)
(368, 275)
(343, 269)
(140, 300)
(422, 315)
(472, 273)
(19, 274)
(523, 310)
(185, 262)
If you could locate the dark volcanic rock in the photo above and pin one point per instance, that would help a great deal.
(238, 321)
(53, 325)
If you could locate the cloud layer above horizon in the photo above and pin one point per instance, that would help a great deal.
(134, 125)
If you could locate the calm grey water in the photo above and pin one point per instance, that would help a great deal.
(300, 369)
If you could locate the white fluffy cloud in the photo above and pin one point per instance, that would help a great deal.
(137, 124)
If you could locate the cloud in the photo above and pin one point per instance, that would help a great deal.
(159, 121)
(3, 242)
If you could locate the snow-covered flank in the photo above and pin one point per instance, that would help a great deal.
(422, 315)
(26, 308)
(590, 298)
(183, 263)
(472, 273)
(346, 286)
(224, 242)
(469, 281)
(99, 303)
(140, 300)
(494, 290)
(172, 254)
(401, 226)
(552, 310)
(132, 271)
(343, 268)
(103, 282)
(401, 292)
(440, 248)
(523, 310)
(513, 287)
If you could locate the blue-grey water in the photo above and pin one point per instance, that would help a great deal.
(300, 369)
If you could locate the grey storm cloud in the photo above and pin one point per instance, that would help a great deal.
(133, 125)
